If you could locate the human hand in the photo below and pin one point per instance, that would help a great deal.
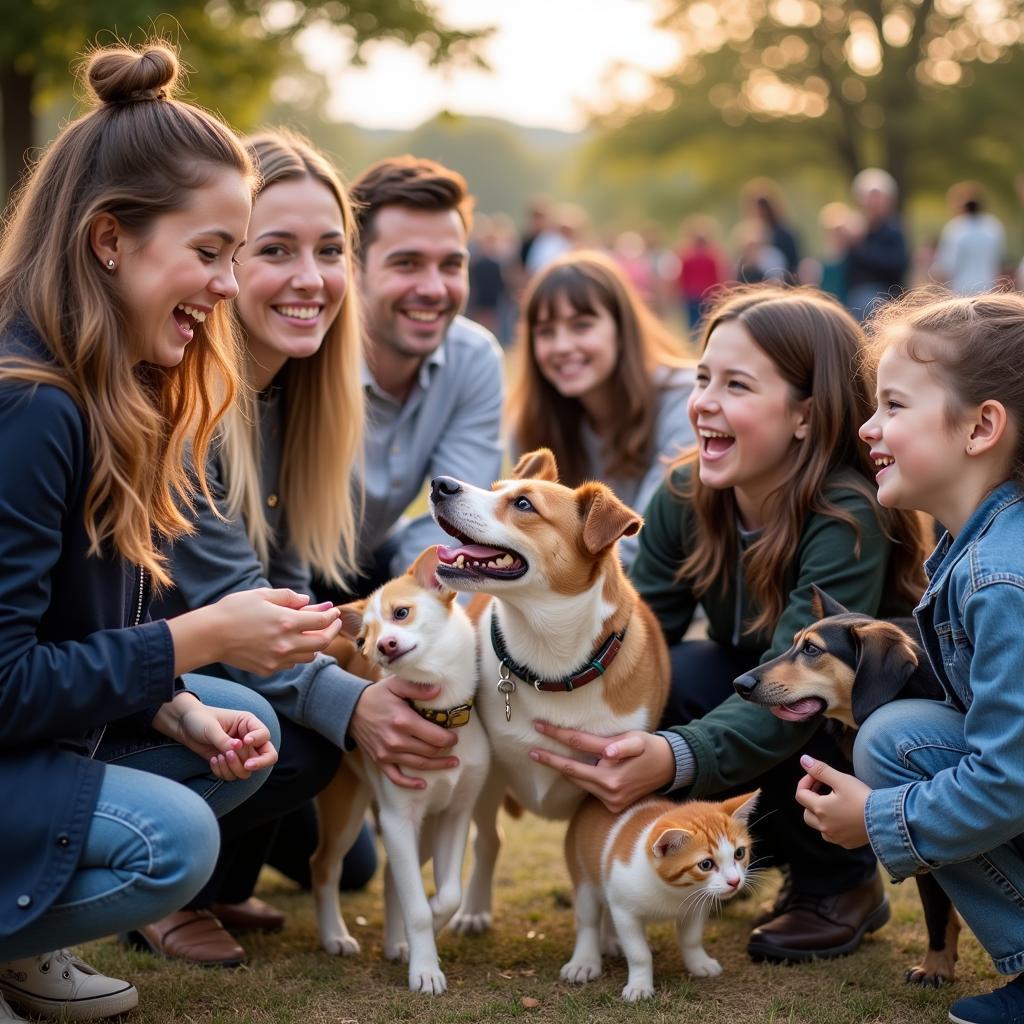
(263, 630)
(236, 743)
(394, 736)
(839, 815)
(629, 766)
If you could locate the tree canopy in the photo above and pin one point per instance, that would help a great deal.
(928, 89)
(239, 47)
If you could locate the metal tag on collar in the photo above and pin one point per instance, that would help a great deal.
(458, 716)
(506, 686)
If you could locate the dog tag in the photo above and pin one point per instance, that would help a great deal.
(506, 686)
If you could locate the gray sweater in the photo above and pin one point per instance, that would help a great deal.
(219, 559)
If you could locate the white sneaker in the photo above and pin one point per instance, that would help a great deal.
(7, 1015)
(59, 983)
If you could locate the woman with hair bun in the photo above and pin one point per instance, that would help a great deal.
(115, 356)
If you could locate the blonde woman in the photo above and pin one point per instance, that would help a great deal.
(281, 474)
(115, 351)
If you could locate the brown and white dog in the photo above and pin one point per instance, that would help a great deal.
(564, 637)
(845, 666)
(411, 626)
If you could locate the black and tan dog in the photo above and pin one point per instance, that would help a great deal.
(844, 667)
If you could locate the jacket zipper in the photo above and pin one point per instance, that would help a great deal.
(138, 619)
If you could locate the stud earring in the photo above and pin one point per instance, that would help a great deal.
(970, 449)
(110, 264)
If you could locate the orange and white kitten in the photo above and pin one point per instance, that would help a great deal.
(656, 861)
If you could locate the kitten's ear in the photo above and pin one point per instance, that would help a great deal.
(671, 840)
(741, 807)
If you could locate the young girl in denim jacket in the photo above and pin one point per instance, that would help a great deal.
(940, 786)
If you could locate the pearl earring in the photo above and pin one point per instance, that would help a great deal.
(110, 264)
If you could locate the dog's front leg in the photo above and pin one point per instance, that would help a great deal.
(395, 946)
(400, 832)
(340, 808)
(450, 835)
(474, 917)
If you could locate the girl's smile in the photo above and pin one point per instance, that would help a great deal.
(747, 418)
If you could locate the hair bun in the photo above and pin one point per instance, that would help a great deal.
(122, 74)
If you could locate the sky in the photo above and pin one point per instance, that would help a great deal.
(553, 61)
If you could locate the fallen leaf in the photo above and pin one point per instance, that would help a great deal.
(530, 1003)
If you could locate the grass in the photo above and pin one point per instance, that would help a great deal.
(512, 973)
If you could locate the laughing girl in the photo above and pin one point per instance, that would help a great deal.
(777, 495)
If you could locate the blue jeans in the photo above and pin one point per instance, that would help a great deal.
(912, 741)
(153, 839)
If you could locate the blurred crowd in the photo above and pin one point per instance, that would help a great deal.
(861, 251)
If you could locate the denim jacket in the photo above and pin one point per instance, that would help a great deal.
(972, 626)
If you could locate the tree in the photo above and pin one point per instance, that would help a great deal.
(923, 88)
(240, 46)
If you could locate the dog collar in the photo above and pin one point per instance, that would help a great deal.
(447, 718)
(593, 669)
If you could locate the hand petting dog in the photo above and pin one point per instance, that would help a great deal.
(629, 766)
(839, 814)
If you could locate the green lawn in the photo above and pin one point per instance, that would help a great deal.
(289, 979)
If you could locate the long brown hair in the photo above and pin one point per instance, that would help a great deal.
(324, 399)
(975, 343)
(541, 417)
(139, 154)
(818, 349)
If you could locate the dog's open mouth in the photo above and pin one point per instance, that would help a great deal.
(799, 710)
(472, 560)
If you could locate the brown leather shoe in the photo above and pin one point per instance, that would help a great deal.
(252, 915)
(820, 926)
(193, 935)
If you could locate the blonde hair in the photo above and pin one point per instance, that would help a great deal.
(324, 406)
(819, 350)
(541, 417)
(137, 156)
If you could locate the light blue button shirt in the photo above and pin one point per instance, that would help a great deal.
(449, 425)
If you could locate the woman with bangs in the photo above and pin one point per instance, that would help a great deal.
(281, 473)
(600, 381)
(115, 355)
(778, 495)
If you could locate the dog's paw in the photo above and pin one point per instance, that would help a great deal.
(579, 972)
(341, 945)
(397, 951)
(430, 981)
(634, 993)
(700, 965)
(471, 924)
(924, 978)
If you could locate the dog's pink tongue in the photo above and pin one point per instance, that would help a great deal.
(478, 552)
(798, 710)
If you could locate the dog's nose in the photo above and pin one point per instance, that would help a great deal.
(442, 487)
(387, 645)
(745, 684)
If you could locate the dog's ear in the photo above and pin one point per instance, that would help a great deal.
(887, 659)
(537, 465)
(741, 807)
(822, 605)
(352, 618)
(671, 840)
(606, 519)
(422, 571)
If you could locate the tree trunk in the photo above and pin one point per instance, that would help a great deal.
(16, 90)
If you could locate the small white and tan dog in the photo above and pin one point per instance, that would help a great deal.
(565, 637)
(412, 626)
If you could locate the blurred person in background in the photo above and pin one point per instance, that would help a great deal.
(763, 202)
(840, 224)
(969, 258)
(878, 259)
(702, 268)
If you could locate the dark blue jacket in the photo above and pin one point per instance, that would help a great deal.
(71, 660)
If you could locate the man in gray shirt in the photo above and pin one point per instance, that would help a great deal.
(432, 379)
